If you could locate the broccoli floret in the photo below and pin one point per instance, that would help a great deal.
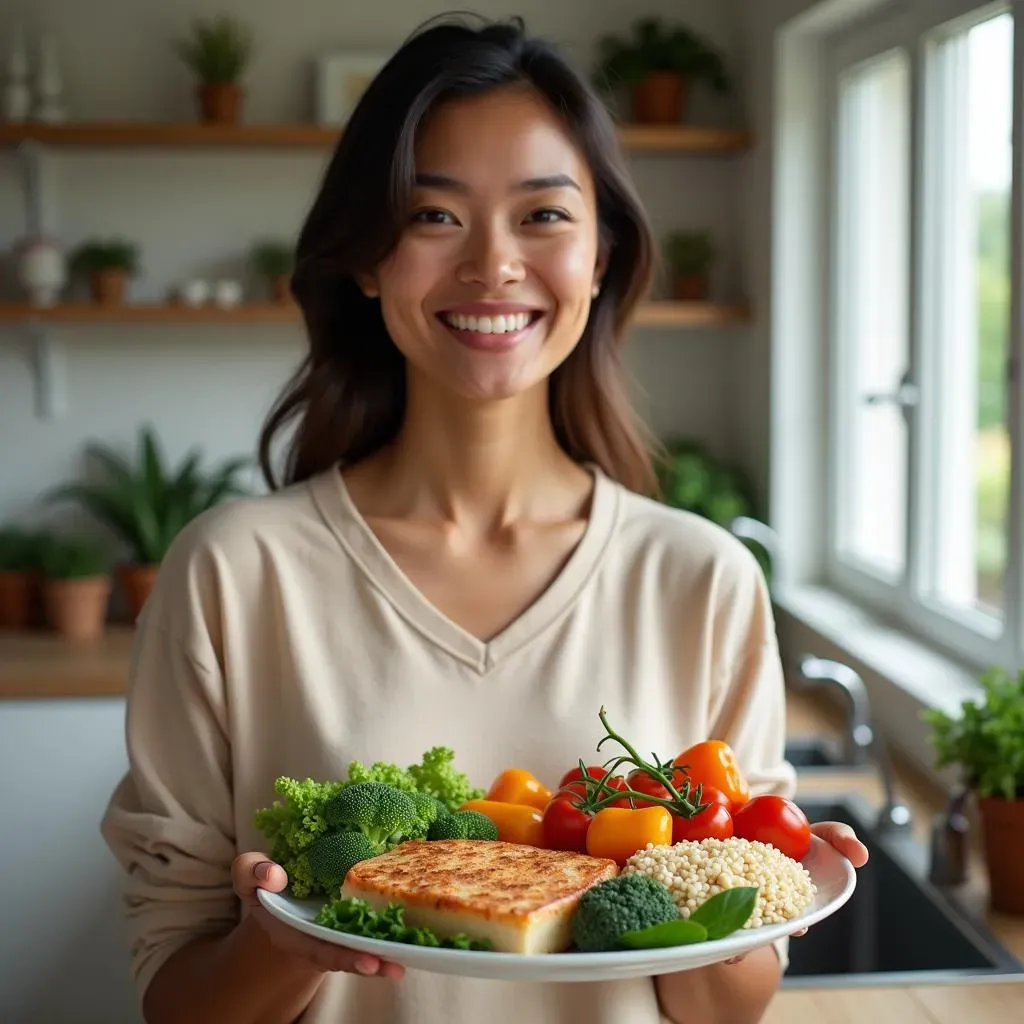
(463, 825)
(376, 809)
(428, 810)
(332, 855)
(622, 904)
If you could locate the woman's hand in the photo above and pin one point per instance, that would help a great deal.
(253, 871)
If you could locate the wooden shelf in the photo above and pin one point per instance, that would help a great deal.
(651, 314)
(40, 665)
(650, 138)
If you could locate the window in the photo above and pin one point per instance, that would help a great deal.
(922, 403)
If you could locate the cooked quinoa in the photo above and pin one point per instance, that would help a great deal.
(695, 871)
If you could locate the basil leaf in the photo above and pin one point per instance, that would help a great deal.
(669, 933)
(726, 911)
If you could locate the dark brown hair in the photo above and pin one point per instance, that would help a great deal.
(348, 395)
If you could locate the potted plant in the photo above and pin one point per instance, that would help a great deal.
(106, 264)
(274, 262)
(658, 65)
(76, 590)
(20, 577)
(690, 478)
(986, 742)
(690, 255)
(217, 52)
(145, 504)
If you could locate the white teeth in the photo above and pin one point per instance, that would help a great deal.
(503, 323)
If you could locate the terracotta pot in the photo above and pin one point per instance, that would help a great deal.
(282, 286)
(108, 286)
(77, 609)
(137, 582)
(221, 103)
(19, 597)
(691, 287)
(1002, 824)
(660, 98)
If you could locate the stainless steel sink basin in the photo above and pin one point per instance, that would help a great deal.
(804, 752)
(897, 928)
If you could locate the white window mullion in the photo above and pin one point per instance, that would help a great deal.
(1015, 388)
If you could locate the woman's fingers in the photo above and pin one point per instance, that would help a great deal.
(252, 871)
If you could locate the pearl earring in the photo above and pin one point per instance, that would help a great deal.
(596, 291)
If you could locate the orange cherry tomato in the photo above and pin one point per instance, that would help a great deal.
(713, 763)
(618, 832)
(517, 823)
(518, 786)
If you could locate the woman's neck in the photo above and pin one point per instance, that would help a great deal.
(483, 465)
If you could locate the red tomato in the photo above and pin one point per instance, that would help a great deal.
(565, 825)
(775, 820)
(710, 795)
(574, 775)
(714, 822)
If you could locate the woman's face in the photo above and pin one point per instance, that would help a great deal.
(490, 284)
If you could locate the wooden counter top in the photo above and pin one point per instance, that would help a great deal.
(39, 664)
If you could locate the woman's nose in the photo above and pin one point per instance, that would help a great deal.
(491, 259)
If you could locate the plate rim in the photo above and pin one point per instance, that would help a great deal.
(278, 904)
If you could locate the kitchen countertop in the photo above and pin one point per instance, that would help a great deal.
(39, 665)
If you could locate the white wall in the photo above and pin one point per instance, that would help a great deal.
(61, 958)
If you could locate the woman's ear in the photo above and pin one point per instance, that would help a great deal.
(368, 285)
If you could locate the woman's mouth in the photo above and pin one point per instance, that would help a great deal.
(494, 332)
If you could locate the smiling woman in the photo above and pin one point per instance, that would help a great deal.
(462, 554)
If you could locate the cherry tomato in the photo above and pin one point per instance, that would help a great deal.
(571, 779)
(714, 822)
(618, 832)
(518, 786)
(639, 781)
(775, 820)
(713, 763)
(710, 795)
(565, 825)
(517, 823)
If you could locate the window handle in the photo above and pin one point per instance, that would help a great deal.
(906, 396)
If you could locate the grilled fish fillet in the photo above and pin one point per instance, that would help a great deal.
(520, 898)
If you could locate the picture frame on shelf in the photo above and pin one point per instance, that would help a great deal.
(341, 79)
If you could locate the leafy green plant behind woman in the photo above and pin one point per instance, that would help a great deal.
(986, 741)
(146, 503)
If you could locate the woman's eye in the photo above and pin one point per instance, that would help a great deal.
(549, 215)
(433, 217)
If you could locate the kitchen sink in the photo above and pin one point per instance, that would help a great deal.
(897, 928)
(804, 752)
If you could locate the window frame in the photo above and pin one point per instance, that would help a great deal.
(964, 633)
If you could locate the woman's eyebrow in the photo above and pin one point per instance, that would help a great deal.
(443, 181)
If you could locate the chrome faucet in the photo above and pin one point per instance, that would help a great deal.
(862, 739)
(747, 528)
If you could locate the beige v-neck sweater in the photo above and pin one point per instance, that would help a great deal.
(281, 639)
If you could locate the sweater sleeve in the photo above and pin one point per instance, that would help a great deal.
(169, 822)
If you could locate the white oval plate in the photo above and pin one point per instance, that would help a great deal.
(830, 871)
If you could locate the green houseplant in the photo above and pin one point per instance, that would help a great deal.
(106, 263)
(658, 64)
(76, 591)
(217, 52)
(21, 553)
(690, 478)
(689, 256)
(274, 262)
(146, 503)
(986, 742)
